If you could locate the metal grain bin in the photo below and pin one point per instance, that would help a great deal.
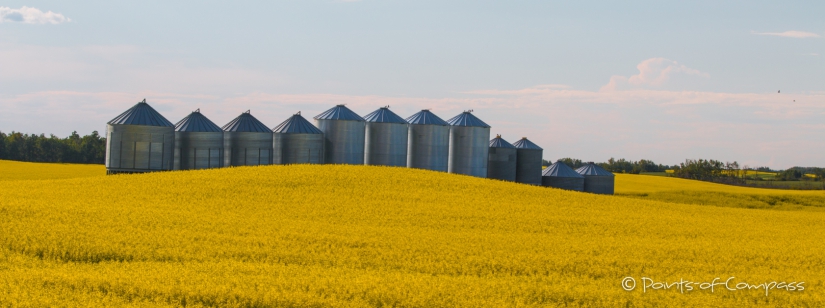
(501, 162)
(139, 140)
(247, 142)
(428, 142)
(385, 140)
(343, 136)
(559, 175)
(469, 145)
(596, 179)
(198, 143)
(528, 162)
(296, 141)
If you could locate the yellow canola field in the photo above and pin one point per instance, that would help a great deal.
(355, 236)
(705, 193)
(16, 170)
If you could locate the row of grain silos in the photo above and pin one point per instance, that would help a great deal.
(518, 162)
(141, 140)
(588, 178)
(423, 140)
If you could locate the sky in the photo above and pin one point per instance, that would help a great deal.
(660, 80)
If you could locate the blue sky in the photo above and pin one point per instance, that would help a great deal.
(588, 79)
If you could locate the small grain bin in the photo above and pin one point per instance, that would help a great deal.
(559, 175)
(528, 162)
(501, 162)
(198, 143)
(428, 142)
(469, 145)
(247, 142)
(296, 141)
(385, 141)
(596, 179)
(139, 140)
(343, 136)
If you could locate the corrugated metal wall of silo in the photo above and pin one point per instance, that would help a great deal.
(428, 142)
(198, 143)
(559, 175)
(528, 162)
(501, 161)
(596, 179)
(139, 140)
(343, 135)
(247, 142)
(385, 139)
(296, 141)
(469, 145)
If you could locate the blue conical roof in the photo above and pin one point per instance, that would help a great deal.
(524, 143)
(339, 112)
(384, 115)
(141, 114)
(559, 169)
(296, 124)
(196, 122)
(593, 169)
(498, 142)
(425, 117)
(246, 123)
(467, 119)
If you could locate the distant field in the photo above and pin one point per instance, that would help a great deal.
(15, 170)
(767, 180)
(678, 190)
(356, 236)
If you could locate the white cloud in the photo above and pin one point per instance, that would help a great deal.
(652, 72)
(31, 15)
(792, 34)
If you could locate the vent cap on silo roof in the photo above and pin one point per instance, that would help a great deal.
(141, 114)
(296, 124)
(560, 169)
(593, 169)
(426, 117)
(467, 119)
(339, 112)
(384, 115)
(246, 123)
(499, 142)
(197, 122)
(525, 143)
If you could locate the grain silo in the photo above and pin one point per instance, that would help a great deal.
(296, 141)
(528, 162)
(247, 142)
(139, 140)
(560, 175)
(343, 134)
(428, 142)
(596, 179)
(469, 145)
(385, 140)
(501, 161)
(198, 143)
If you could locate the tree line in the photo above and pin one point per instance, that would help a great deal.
(617, 165)
(89, 149)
